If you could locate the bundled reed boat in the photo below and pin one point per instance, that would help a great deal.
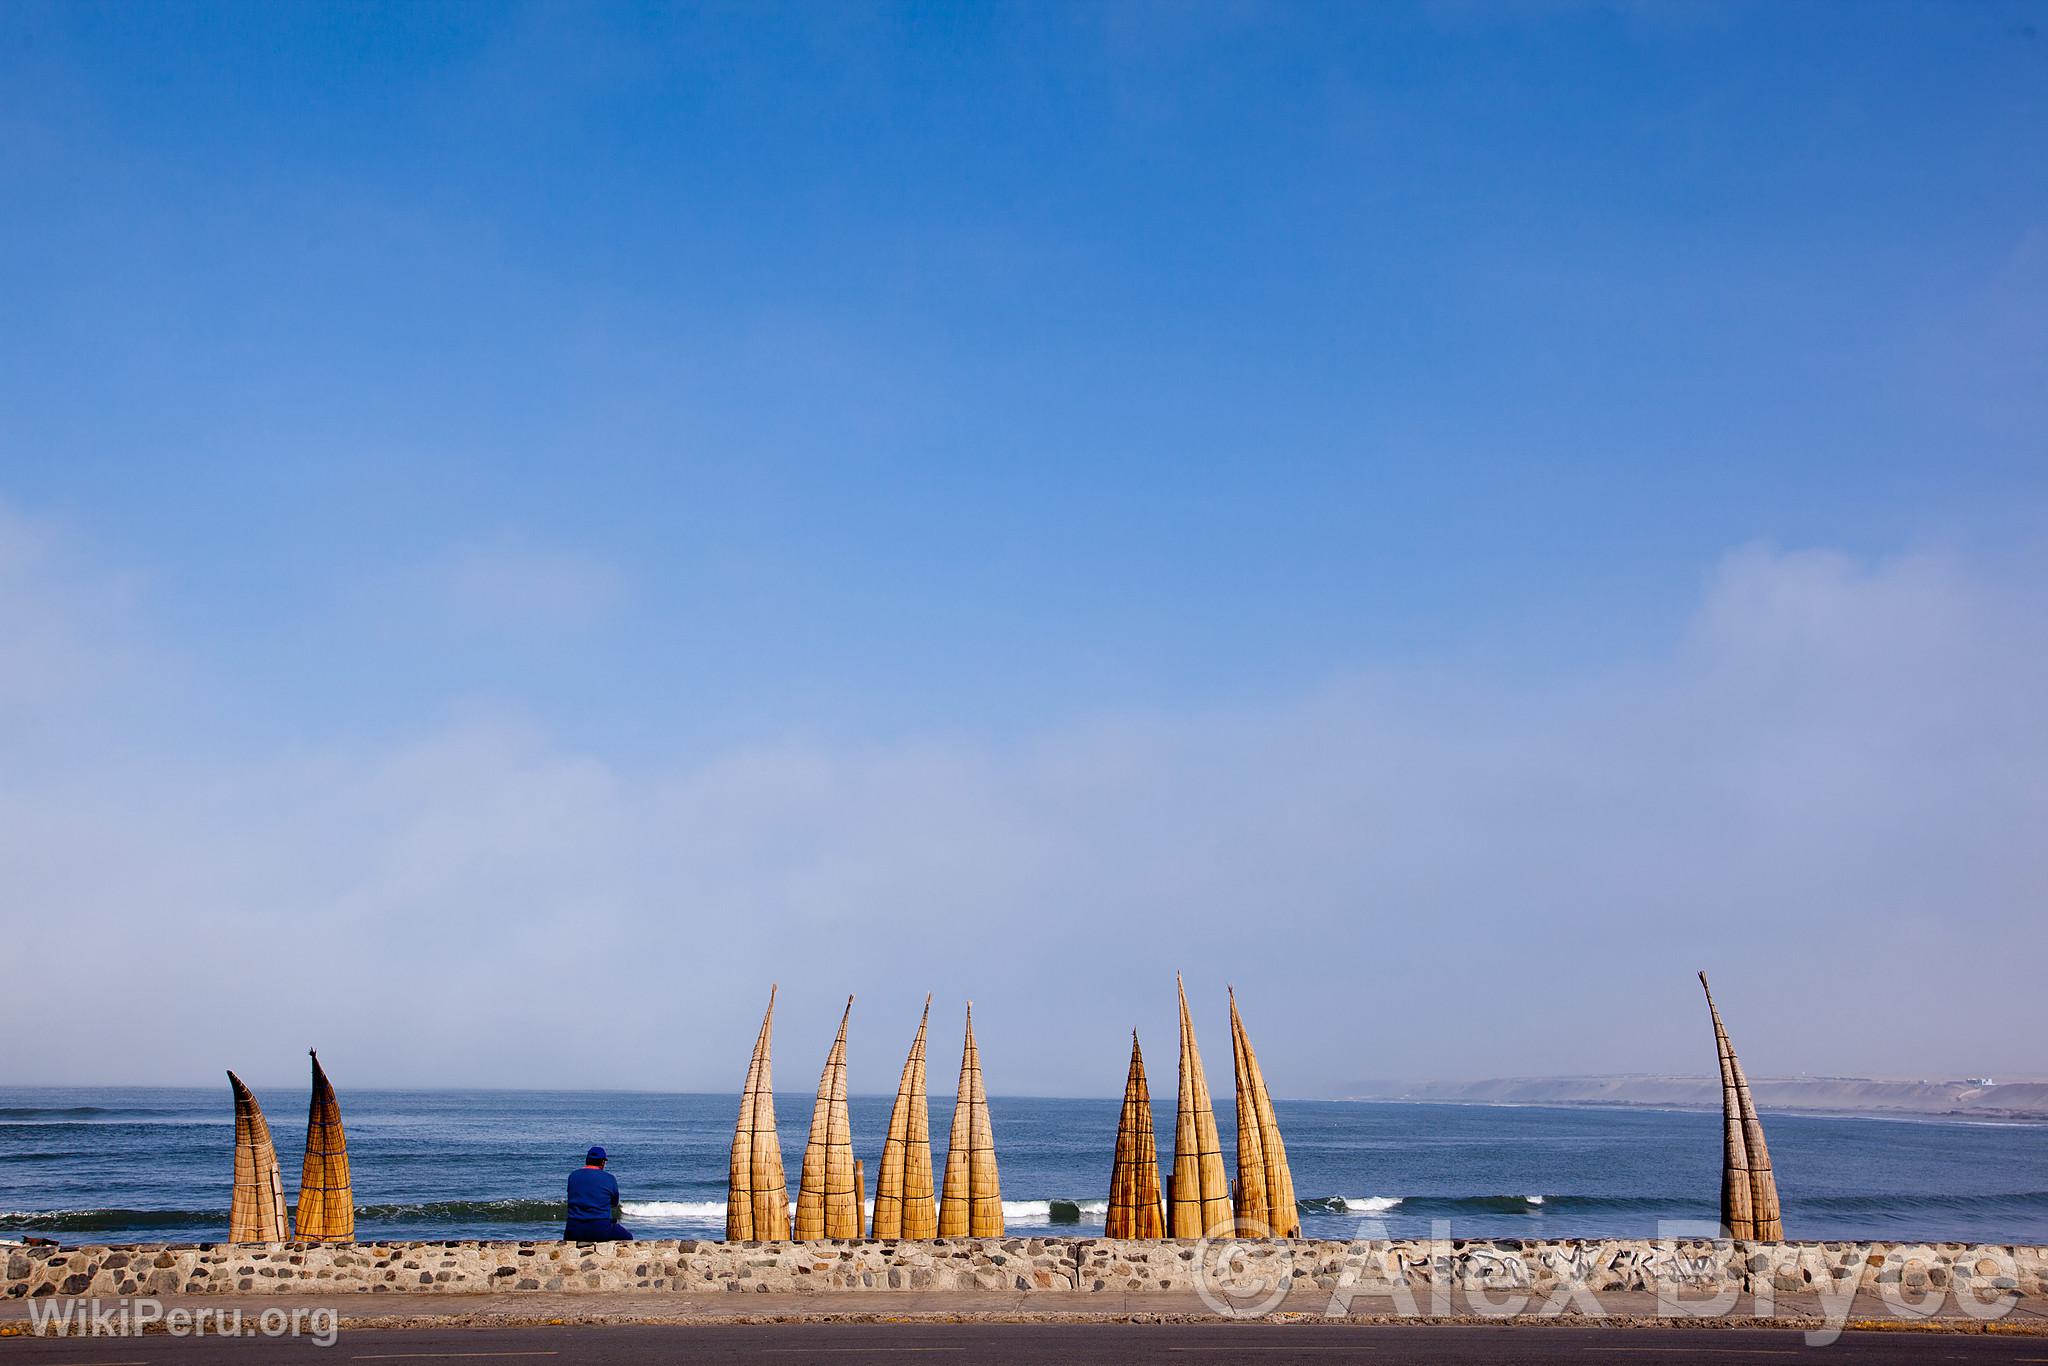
(1137, 1207)
(1749, 1190)
(828, 1201)
(972, 1206)
(1265, 1187)
(1201, 1188)
(757, 1189)
(256, 1214)
(904, 1205)
(327, 1211)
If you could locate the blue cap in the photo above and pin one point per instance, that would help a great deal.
(594, 1155)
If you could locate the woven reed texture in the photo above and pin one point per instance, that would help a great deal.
(904, 1207)
(972, 1206)
(1136, 1208)
(256, 1214)
(1265, 1187)
(1749, 1189)
(1201, 1188)
(757, 1190)
(1249, 1190)
(327, 1211)
(827, 1205)
(862, 1225)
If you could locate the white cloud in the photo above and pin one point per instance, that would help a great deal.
(505, 585)
(44, 603)
(1828, 794)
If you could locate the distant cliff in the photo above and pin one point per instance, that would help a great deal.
(1834, 1095)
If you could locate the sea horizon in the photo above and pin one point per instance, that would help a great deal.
(1764, 1104)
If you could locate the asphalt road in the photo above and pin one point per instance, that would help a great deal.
(845, 1344)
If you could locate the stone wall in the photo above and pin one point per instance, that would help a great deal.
(1694, 1267)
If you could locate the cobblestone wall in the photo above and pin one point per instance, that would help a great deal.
(1695, 1267)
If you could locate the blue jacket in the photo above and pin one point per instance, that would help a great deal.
(593, 1192)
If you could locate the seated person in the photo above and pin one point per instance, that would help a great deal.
(594, 1204)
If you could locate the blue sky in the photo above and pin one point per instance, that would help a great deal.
(1032, 481)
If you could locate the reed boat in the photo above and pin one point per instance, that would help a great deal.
(757, 1189)
(1201, 1189)
(972, 1205)
(828, 1198)
(327, 1211)
(904, 1203)
(1265, 1187)
(1137, 1205)
(256, 1214)
(1749, 1189)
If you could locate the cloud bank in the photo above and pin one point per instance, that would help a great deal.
(1826, 791)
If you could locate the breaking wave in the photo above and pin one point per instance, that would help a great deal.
(685, 1210)
(1349, 1204)
(90, 1220)
(466, 1211)
(1469, 1204)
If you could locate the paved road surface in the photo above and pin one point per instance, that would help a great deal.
(844, 1344)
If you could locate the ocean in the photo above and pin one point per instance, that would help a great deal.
(153, 1165)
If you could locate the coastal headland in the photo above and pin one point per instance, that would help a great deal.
(2020, 1098)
